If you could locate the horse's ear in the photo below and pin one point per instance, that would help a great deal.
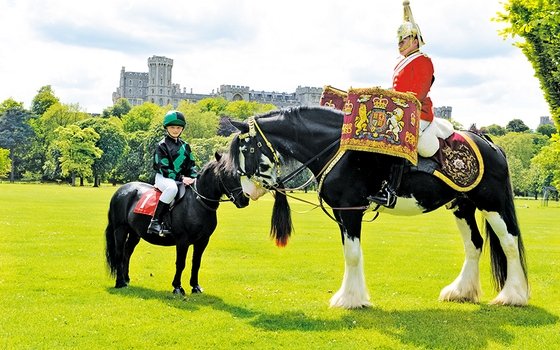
(218, 156)
(241, 126)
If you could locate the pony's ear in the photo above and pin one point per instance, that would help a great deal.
(241, 126)
(218, 156)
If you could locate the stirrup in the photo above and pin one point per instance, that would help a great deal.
(385, 197)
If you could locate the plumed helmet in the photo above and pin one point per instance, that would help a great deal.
(174, 118)
(409, 27)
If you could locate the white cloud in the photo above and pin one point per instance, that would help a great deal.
(79, 47)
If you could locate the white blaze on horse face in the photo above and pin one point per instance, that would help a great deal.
(251, 189)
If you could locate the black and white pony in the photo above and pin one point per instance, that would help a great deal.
(312, 137)
(193, 220)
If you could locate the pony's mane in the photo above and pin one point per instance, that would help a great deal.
(223, 166)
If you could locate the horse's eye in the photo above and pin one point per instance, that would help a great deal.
(263, 167)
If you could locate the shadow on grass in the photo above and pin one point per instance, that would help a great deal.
(431, 328)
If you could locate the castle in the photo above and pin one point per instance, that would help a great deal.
(157, 86)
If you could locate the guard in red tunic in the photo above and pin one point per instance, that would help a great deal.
(414, 73)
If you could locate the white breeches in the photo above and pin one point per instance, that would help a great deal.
(168, 188)
(428, 142)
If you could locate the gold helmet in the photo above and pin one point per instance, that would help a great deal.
(409, 27)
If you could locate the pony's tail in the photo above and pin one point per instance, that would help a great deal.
(281, 222)
(497, 255)
(110, 245)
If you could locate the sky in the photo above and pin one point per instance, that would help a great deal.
(79, 47)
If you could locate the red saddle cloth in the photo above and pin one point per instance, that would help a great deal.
(459, 162)
(148, 202)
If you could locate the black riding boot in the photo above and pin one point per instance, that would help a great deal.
(156, 224)
(387, 195)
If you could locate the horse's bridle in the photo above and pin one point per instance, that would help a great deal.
(254, 145)
(256, 178)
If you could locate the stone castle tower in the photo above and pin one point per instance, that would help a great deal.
(157, 87)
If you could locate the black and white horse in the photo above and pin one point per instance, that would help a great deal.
(193, 220)
(312, 137)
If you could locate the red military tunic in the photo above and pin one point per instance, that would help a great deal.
(414, 73)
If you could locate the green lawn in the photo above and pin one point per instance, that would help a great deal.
(55, 292)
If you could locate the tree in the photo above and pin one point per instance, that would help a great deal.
(15, 134)
(44, 99)
(546, 129)
(538, 23)
(241, 110)
(112, 142)
(217, 105)
(520, 148)
(119, 109)
(548, 163)
(516, 125)
(77, 150)
(142, 117)
(495, 129)
(135, 164)
(5, 162)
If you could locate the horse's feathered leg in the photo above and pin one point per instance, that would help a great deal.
(198, 250)
(508, 261)
(180, 262)
(466, 287)
(353, 293)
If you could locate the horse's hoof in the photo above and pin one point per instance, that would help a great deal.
(197, 289)
(121, 284)
(179, 290)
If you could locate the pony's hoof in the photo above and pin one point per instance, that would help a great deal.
(121, 284)
(179, 290)
(197, 289)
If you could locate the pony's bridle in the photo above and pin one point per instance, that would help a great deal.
(230, 194)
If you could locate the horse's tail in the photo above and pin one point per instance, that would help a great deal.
(110, 244)
(497, 255)
(281, 222)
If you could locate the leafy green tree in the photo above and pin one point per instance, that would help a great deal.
(217, 105)
(538, 23)
(5, 162)
(77, 150)
(516, 125)
(44, 99)
(241, 110)
(8, 104)
(547, 161)
(495, 129)
(520, 148)
(15, 134)
(119, 109)
(142, 117)
(135, 164)
(546, 129)
(204, 148)
(112, 142)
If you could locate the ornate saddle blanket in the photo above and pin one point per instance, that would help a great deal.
(377, 120)
(458, 162)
